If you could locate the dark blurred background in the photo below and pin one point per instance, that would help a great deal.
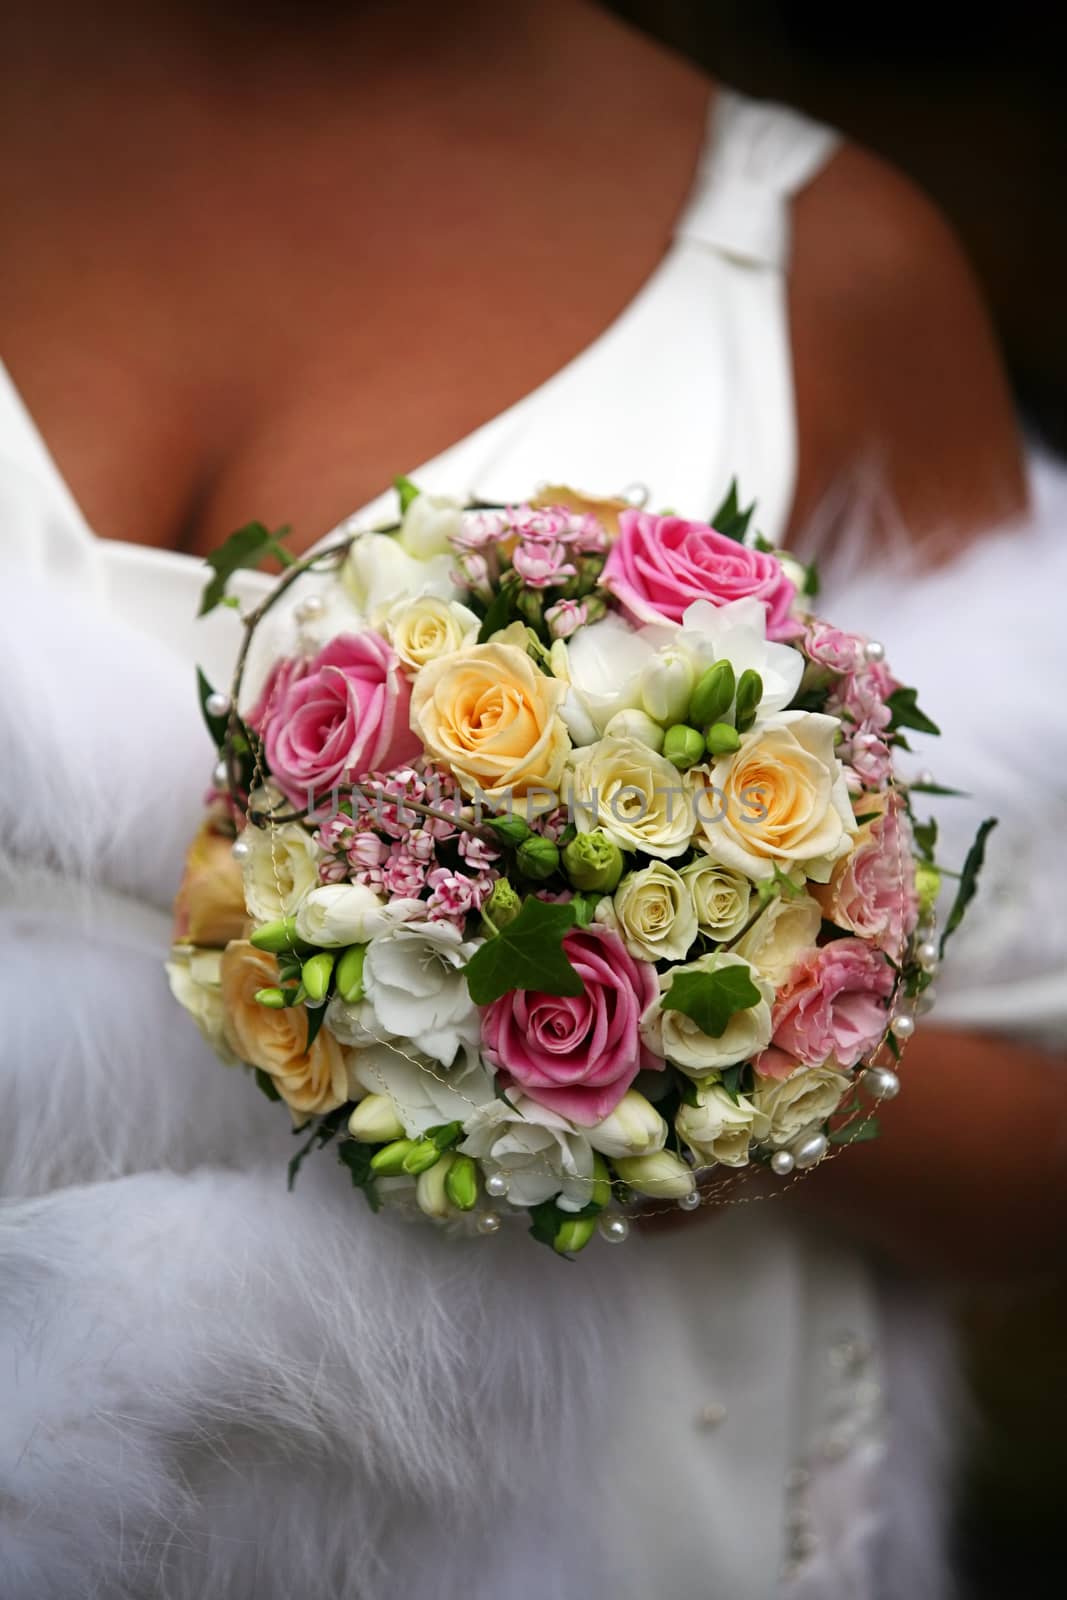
(972, 105)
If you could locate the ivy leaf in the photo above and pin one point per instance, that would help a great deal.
(856, 1132)
(407, 491)
(527, 954)
(730, 520)
(247, 548)
(926, 837)
(357, 1158)
(711, 998)
(216, 726)
(968, 884)
(906, 713)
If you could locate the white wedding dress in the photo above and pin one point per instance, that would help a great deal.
(212, 1388)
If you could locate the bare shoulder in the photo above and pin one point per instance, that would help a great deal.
(896, 363)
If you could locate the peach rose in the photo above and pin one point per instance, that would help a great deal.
(492, 716)
(210, 905)
(310, 1082)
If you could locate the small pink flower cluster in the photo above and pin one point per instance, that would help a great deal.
(859, 699)
(391, 848)
(542, 544)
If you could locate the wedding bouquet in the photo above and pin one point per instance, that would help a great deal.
(558, 865)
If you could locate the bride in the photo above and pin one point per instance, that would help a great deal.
(254, 266)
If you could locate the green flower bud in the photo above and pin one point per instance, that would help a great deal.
(574, 1235)
(721, 739)
(275, 937)
(502, 906)
(537, 857)
(530, 606)
(461, 1183)
(749, 695)
(316, 973)
(511, 830)
(375, 1120)
(431, 1190)
(601, 1194)
(713, 695)
(274, 998)
(592, 861)
(388, 1162)
(927, 886)
(423, 1154)
(350, 974)
(683, 746)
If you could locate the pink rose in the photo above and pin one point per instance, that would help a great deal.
(579, 1054)
(659, 565)
(872, 891)
(831, 1006)
(830, 647)
(345, 713)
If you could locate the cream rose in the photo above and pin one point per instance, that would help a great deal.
(717, 1128)
(281, 867)
(194, 983)
(677, 1037)
(787, 926)
(636, 796)
(785, 1107)
(492, 716)
(652, 912)
(781, 798)
(721, 898)
(421, 630)
(309, 1081)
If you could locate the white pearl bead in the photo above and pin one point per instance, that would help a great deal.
(497, 1185)
(926, 1001)
(903, 1026)
(925, 778)
(782, 1163)
(874, 650)
(310, 608)
(221, 776)
(689, 1202)
(488, 1223)
(613, 1228)
(217, 704)
(927, 955)
(810, 1150)
(881, 1082)
(240, 849)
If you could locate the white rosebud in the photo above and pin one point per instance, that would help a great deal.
(721, 898)
(675, 1035)
(717, 1128)
(665, 686)
(635, 724)
(280, 869)
(378, 570)
(634, 1128)
(654, 915)
(663, 1176)
(423, 629)
(786, 1107)
(429, 524)
(338, 914)
(374, 1121)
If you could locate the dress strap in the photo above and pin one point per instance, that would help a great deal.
(757, 156)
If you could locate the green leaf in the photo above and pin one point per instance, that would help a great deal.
(868, 816)
(316, 1015)
(812, 583)
(216, 726)
(968, 884)
(325, 1129)
(247, 548)
(894, 1045)
(926, 837)
(856, 1132)
(937, 788)
(407, 491)
(444, 1136)
(906, 713)
(730, 520)
(357, 1158)
(730, 1077)
(711, 998)
(500, 611)
(527, 954)
(265, 1083)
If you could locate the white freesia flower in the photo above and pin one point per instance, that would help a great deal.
(788, 1107)
(652, 912)
(787, 926)
(603, 668)
(194, 982)
(543, 1155)
(634, 1128)
(378, 570)
(280, 869)
(337, 914)
(737, 633)
(721, 898)
(636, 796)
(415, 987)
(423, 629)
(635, 724)
(663, 1176)
(717, 1128)
(428, 525)
(423, 1093)
(375, 1119)
(665, 685)
(676, 1036)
